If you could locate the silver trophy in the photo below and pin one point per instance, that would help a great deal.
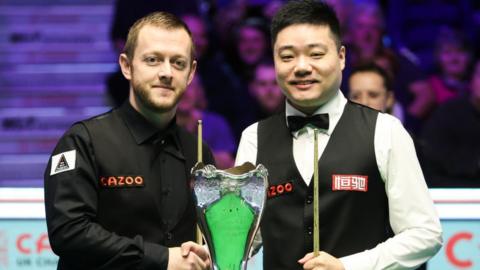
(229, 206)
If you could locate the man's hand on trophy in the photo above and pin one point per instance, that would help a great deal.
(190, 256)
(323, 261)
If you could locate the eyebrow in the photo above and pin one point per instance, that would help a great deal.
(157, 53)
(310, 46)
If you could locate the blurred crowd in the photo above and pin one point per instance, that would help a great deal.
(415, 59)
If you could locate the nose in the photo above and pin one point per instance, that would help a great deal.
(165, 72)
(363, 99)
(302, 67)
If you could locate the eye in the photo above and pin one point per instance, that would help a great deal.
(180, 64)
(354, 97)
(286, 57)
(151, 60)
(317, 55)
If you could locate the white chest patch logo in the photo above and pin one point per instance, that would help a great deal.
(63, 162)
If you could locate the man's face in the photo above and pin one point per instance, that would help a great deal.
(252, 44)
(161, 68)
(308, 65)
(453, 60)
(366, 33)
(368, 88)
(265, 89)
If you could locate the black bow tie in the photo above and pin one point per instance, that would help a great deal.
(296, 123)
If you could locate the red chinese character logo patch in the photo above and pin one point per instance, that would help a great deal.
(349, 182)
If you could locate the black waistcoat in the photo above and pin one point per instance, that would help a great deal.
(350, 221)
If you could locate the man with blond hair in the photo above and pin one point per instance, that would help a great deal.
(117, 190)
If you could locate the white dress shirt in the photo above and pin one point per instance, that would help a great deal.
(418, 233)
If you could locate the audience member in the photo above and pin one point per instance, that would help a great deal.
(409, 84)
(370, 85)
(265, 91)
(223, 89)
(451, 140)
(343, 8)
(453, 57)
(250, 45)
(216, 131)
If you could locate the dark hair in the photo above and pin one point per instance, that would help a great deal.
(306, 12)
(158, 19)
(452, 36)
(372, 67)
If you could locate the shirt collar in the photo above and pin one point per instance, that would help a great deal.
(334, 107)
(142, 130)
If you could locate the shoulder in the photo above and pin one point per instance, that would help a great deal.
(100, 118)
(387, 122)
(358, 106)
(250, 130)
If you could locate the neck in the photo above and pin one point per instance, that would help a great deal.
(157, 118)
(309, 110)
(305, 110)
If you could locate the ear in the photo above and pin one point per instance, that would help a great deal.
(125, 66)
(390, 101)
(341, 55)
(192, 72)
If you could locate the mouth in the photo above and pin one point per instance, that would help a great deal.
(169, 87)
(303, 84)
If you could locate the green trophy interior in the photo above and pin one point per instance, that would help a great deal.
(229, 221)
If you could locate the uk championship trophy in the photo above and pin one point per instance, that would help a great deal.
(229, 208)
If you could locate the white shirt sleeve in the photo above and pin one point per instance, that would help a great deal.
(247, 148)
(415, 223)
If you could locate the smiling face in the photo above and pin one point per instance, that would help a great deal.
(160, 70)
(308, 65)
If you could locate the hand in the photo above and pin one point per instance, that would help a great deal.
(323, 261)
(189, 256)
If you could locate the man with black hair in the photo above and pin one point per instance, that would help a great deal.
(374, 207)
(371, 86)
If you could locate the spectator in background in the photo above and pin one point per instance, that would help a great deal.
(453, 57)
(271, 7)
(370, 85)
(216, 131)
(249, 46)
(265, 91)
(229, 13)
(343, 8)
(451, 140)
(223, 89)
(366, 32)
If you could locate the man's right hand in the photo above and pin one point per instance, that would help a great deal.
(189, 256)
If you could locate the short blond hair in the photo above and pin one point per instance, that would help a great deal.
(160, 19)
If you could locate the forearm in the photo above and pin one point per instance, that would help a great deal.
(89, 246)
